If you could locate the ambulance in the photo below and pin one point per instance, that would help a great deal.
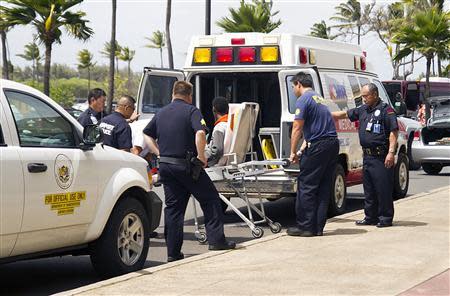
(257, 67)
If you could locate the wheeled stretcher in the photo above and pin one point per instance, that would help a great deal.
(234, 174)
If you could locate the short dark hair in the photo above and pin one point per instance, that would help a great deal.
(130, 99)
(220, 105)
(304, 79)
(182, 88)
(373, 88)
(95, 93)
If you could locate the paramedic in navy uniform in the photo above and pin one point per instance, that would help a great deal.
(378, 132)
(319, 153)
(176, 129)
(93, 114)
(115, 127)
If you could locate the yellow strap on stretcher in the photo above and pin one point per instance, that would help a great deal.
(268, 151)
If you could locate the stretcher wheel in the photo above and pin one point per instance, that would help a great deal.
(258, 232)
(275, 227)
(202, 238)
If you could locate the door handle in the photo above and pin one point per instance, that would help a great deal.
(37, 167)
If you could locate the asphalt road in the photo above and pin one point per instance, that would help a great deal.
(48, 276)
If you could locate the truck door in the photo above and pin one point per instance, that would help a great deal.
(11, 188)
(288, 100)
(155, 90)
(60, 183)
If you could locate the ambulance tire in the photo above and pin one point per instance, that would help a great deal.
(338, 198)
(401, 176)
(105, 252)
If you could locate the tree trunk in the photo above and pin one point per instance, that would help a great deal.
(48, 60)
(439, 65)
(160, 56)
(129, 76)
(33, 74)
(427, 88)
(359, 35)
(89, 80)
(112, 54)
(168, 41)
(5, 72)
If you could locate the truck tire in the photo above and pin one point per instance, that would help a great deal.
(413, 166)
(124, 243)
(432, 168)
(401, 176)
(338, 192)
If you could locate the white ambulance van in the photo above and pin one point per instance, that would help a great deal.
(63, 194)
(257, 67)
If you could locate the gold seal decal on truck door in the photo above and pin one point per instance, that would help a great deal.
(64, 203)
(63, 171)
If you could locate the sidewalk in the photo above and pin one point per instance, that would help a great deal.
(412, 258)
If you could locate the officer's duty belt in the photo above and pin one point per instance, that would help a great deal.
(172, 160)
(375, 151)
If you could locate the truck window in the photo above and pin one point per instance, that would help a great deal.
(157, 92)
(382, 92)
(38, 124)
(291, 95)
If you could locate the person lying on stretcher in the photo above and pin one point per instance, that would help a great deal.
(215, 148)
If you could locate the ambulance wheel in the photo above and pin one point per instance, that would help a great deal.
(124, 243)
(432, 168)
(338, 192)
(258, 232)
(275, 227)
(401, 176)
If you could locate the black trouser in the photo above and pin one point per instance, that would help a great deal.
(378, 186)
(317, 166)
(178, 186)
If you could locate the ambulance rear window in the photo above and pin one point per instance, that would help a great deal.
(156, 92)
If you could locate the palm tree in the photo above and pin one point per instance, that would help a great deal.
(106, 51)
(351, 15)
(250, 17)
(127, 55)
(86, 61)
(168, 40)
(429, 34)
(321, 30)
(157, 41)
(33, 54)
(48, 17)
(4, 28)
(112, 54)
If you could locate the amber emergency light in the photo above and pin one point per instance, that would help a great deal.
(269, 54)
(202, 55)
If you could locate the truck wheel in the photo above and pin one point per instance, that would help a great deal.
(401, 176)
(124, 243)
(432, 168)
(413, 166)
(338, 193)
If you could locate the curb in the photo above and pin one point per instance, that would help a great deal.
(203, 256)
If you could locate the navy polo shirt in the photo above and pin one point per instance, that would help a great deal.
(381, 114)
(89, 116)
(319, 123)
(174, 127)
(116, 131)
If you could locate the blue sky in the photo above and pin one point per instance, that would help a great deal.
(137, 19)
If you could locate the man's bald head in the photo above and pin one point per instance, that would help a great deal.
(125, 106)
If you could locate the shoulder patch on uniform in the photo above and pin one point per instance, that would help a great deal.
(317, 99)
(389, 110)
(297, 111)
(203, 122)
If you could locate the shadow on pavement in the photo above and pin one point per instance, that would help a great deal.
(345, 231)
(409, 223)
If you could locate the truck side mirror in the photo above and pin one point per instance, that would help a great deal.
(92, 134)
(400, 108)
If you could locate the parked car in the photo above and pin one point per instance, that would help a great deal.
(66, 194)
(74, 112)
(431, 145)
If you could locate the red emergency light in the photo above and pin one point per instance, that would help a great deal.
(224, 55)
(237, 41)
(247, 55)
(303, 55)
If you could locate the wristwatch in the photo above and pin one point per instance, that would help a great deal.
(391, 150)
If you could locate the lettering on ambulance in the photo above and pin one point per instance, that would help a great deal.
(106, 128)
(64, 203)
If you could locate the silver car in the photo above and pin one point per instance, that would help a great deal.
(431, 145)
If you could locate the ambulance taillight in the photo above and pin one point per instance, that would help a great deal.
(247, 55)
(224, 55)
(237, 41)
(269, 54)
(303, 55)
(202, 55)
(363, 63)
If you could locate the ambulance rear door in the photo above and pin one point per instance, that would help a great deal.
(155, 90)
(288, 100)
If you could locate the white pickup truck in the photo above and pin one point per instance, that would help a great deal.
(62, 193)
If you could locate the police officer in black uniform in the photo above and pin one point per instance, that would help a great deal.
(378, 132)
(93, 114)
(319, 150)
(115, 127)
(178, 132)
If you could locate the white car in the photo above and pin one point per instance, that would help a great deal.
(61, 193)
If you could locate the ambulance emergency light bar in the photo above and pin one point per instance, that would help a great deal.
(257, 55)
